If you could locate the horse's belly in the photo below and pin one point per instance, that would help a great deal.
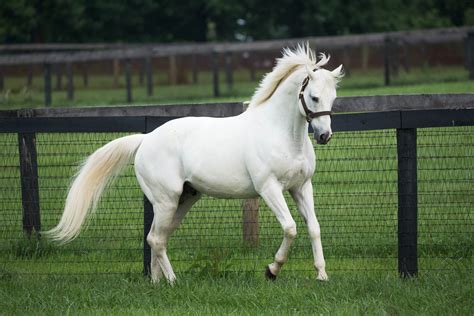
(221, 174)
(223, 185)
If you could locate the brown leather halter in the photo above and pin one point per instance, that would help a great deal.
(309, 114)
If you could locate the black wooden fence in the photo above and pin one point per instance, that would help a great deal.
(448, 111)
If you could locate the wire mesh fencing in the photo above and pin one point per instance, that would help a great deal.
(445, 198)
(355, 192)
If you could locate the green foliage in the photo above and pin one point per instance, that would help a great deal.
(16, 20)
(216, 264)
(201, 20)
(40, 21)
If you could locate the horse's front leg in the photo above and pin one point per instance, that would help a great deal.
(303, 197)
(273, 196)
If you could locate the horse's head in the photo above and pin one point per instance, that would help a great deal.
(316, 97)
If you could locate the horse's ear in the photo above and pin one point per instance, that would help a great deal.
(338, 72)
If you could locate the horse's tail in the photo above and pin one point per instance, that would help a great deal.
(96, 172)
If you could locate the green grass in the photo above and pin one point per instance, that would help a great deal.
(244, 294)
(100, 90)
(218, 273)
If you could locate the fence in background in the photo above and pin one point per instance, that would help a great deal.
(393, 189)
(396, 48)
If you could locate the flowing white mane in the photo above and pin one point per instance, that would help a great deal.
(302, 55)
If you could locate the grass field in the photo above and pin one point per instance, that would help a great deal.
(448, 293)
(356, 199)
(100, 91)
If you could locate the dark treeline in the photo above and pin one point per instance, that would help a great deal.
(61, 21)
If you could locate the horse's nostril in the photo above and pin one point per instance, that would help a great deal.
(324, 138)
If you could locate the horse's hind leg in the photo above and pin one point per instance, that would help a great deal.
(165, 222)
(158, 238)
(187, 199)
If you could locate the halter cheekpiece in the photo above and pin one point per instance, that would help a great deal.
(309, 114)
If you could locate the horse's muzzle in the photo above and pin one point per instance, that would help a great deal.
(323, 139)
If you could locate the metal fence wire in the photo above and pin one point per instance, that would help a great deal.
(355, 191)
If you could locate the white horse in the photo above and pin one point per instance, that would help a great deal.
(264, 151)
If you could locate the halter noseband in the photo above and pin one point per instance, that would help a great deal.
(309, 114)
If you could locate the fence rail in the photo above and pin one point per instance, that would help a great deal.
(379, 173)
(394, 45)
(328, 42)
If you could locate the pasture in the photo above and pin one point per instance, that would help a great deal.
(100, 91)
(356, 201)
(447, 293)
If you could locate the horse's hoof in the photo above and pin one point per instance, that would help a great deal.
(269, 275)
(322, 276)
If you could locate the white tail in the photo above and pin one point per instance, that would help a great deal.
(97, 171)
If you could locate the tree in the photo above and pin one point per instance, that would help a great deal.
(218, 20)
(17, 18)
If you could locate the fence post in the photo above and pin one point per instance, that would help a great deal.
(29, 183)
(253, 76)
(173, 70)
(70, 81)
(215, 73)
(59, 76)
(250, 226)
(387, 58)
(469, 54)
(141, 71)
(194, 66)
(29, 77)
(85, 75)
(407, 202)
(116, 72)
(149, 75)
(147, 220)
(47, 85)
(404, 55)
(229, 71)
(128, 80)
(2, 80)
(365, 53)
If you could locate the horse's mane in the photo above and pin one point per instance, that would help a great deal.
(292, 58)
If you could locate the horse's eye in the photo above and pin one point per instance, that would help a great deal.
(315, 99)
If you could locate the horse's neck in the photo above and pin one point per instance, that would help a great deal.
(284, 111)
